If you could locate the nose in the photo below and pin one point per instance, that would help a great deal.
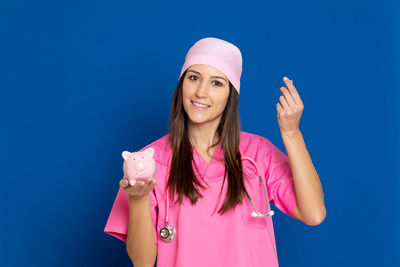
(139, 166)
(202, 89)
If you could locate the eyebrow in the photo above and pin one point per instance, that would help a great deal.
(211, 76)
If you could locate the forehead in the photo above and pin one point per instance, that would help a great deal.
(206, 70)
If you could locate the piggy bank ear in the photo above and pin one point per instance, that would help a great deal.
(149, 152)
(125, 154)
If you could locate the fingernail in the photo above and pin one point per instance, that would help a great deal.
(285, 78)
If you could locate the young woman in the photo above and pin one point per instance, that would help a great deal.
(208, 203)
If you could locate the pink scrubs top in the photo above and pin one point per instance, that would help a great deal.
(203, 237)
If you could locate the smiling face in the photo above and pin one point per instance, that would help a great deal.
(205, 92)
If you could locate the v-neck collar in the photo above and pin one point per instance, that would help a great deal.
(201, 156)
(201, 163)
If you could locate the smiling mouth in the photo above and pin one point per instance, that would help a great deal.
(199, 105)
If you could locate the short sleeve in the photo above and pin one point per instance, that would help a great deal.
(278, 175)
(118, 220)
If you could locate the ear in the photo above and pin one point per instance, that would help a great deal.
(149, 152)
(125, 154)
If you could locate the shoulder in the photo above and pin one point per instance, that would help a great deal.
(258, 147)
(261, 148)
(249, 137)
(252, 142)
(162, 150)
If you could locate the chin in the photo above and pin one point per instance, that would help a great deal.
(198, 121)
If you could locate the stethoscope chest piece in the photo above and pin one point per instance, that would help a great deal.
(167, 232)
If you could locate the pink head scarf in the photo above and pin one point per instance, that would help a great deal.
(219, 54)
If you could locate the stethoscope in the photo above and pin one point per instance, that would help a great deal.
(167, 232)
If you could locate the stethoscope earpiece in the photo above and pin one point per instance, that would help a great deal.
(255, 214)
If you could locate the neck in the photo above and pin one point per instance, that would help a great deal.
(203, 135)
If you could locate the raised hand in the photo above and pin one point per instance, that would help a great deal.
(289, 108)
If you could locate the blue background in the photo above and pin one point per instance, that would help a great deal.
(81, 81)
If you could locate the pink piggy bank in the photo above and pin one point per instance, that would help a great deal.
(139, 165)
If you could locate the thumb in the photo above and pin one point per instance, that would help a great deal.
(123, 182)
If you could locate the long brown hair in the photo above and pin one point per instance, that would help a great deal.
(181, 176)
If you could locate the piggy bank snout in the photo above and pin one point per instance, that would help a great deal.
(139, 166)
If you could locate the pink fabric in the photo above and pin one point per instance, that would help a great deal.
(204, 238)
(218, 53)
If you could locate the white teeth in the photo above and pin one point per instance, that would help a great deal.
(200, 105)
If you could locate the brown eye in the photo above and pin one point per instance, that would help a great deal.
(220, 84)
